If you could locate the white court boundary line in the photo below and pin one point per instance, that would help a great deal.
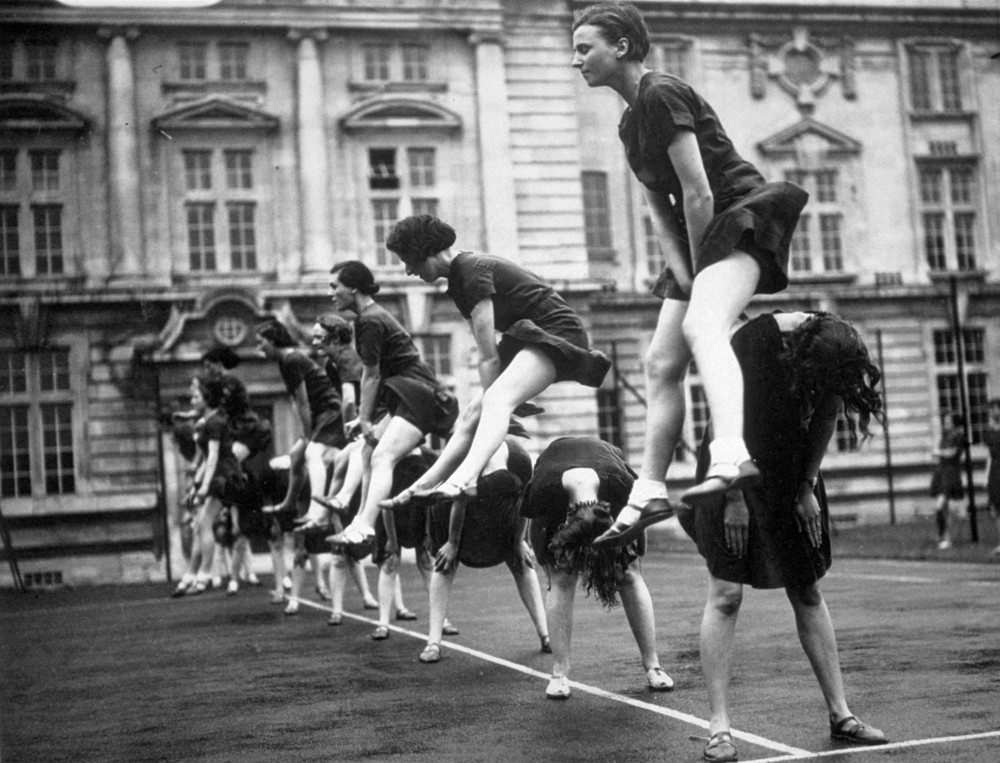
(584, 688)
(880, 748)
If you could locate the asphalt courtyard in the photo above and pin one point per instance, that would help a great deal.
(128, 674)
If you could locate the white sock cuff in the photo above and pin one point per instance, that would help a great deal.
(644, 490)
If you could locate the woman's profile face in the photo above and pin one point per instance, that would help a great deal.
(341, 296)
(197, 398)
(318, 338)
(595, 57)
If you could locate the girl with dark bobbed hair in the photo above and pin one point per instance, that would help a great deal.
(724, 233)
(800, 370)
(578, 486)
(396, 385)
(543, 342)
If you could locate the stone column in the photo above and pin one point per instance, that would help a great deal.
(499, 199)
(125, 227)
(313, 161)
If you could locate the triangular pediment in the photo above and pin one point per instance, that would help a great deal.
(400, 114)
(215, 114)
(34, 113)
(814, 136)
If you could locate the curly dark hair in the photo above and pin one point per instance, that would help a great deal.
(602, 570)
(825, 355)
(337, 327)
(414, 239)
(617, 20)
(354, 274)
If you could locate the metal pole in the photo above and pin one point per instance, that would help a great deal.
(885, 429)
(964, 401)
(161, 501)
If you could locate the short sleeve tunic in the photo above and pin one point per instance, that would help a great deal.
(408, 386)
(324, 400)
(215, 427)
(527, 311)
(750, 213)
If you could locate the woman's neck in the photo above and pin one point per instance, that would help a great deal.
(628, 88)
(363, 302)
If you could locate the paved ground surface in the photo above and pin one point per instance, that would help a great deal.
(126, 673)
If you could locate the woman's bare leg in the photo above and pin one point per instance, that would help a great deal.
(718, 629)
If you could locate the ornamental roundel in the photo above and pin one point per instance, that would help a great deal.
(230, 331)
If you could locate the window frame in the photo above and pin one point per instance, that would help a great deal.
(932, 50)
(36, 399)
(944, 365)
(811, 252)
(948, 210)
(599, 238)
(223, 199)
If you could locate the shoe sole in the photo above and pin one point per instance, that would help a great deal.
(634, 530)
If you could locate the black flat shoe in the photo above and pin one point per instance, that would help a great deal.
(854, 731)
(620, 533)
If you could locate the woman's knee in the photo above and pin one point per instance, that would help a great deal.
(664, 365)
(726, 597)
(804, 596)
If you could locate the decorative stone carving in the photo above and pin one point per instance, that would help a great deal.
(803, 67)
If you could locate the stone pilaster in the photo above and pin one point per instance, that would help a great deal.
(125, 224)
(499, 198)
(313, 159)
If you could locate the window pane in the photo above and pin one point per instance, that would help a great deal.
(847, 434)
(57, 448)
(609, 417)
(436, 352)
(382, 169)
(44, 170)
(13, 373)
(233, 60)
(40, 61)
(948, 394)
(944, 347)
(978, 404)
(826, 185)
(920, 79)
(829, 229)
(974, 339)
(376, 58)
(421, 162)
(242, 236)
(963, 185)
(192, 57)
(15, 463)
(934, 241)
(930, 185)
(385, 213)
(10, 242)
(201, 236)
(698, 413)
(48, 239)
(424, 206)
(198, 170)
(675, 60)
(239, 169)
(596, 211)
(965, 240)
(655, 261)
(415, 63)
(951, 92)
(799, 249)
(53, 370)
(8, 170)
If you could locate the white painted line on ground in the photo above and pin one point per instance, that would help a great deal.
(890, 578)
(879, 748)
(584, 688)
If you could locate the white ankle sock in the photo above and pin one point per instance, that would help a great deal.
(645, 490)
(728, 450)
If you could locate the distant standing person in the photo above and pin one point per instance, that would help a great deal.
(991, 438)
(799, 371)
(946, 480)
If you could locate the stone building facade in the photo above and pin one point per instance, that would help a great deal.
(170, 177)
